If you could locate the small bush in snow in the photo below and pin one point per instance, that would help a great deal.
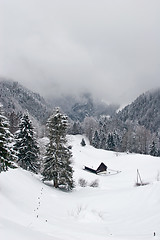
(82, 182)
(94, 183)
(83, 143)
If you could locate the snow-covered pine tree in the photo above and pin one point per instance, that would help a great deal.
(83, 143)
(13, 121)
(110, 142)
(26, 146)
(96, 140)
(5, 143)
(76, 128)
(57, 165)
(117, 140)
(103, 140)
(153, 150)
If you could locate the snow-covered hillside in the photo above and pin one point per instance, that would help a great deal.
(31, 210)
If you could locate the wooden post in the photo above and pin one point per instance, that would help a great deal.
(139, 177)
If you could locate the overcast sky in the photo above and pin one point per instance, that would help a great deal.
(108, 47)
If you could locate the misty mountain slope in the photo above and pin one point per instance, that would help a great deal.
(115, 210)
(77, 107)
(16, 98)
(145, 110)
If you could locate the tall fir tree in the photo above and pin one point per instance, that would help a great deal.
(96, 140)
(57, 165)
(110, 142)
(103, 140)
(76, 128)
(117, 140)
(153, 150)
(26, 145)
(6, 151)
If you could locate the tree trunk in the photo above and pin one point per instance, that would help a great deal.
(55, 183)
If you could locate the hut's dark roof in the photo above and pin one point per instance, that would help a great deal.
(102, 167)
(90, 169)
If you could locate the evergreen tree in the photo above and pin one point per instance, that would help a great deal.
(13, 121)
(5, 143)
(76, 128)
(153, 149)
(83, 143)
(57, 165)
(158, 153)
(96, 140)
(26, 145)
(103, 140)
(110, 142)
(117, 140)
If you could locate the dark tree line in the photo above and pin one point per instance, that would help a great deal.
(111, 133)
(136, 128)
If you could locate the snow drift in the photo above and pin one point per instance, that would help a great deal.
(116, 209)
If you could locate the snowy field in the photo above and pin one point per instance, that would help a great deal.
(115, 210)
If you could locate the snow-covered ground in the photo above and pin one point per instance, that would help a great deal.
(116, 210)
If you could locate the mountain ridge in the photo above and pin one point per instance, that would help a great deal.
(18, 99)
(145, 109)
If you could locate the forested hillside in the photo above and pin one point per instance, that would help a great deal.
(136, 128)
(145, 110)
(17, 99)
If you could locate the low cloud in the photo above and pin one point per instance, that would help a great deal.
(110, 48)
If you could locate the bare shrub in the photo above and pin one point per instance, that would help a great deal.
(78, 211)
(82, 182)
(94, 183)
